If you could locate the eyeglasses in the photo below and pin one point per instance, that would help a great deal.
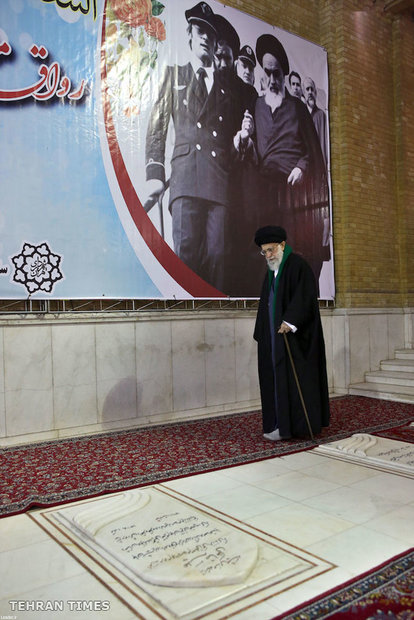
(269, 251)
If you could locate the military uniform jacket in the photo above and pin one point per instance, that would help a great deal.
(203, 153)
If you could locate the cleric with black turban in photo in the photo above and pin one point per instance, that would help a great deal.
(289, 306)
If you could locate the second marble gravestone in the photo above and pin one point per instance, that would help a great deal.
(388, 455)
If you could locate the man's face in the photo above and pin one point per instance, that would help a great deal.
(296, 86)
(245, 71)
(310, 92)
(223, 56)
(273, 252)
(274, 77)
(202, 42)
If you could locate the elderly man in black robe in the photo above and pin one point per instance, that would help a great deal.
(293, 186)
(289, 305)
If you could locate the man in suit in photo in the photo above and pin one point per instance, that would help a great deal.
(318, 115)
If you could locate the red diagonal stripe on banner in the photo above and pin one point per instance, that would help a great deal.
(182, 274)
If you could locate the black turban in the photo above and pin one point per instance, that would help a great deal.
(226, 32)
(267, 43)
(270, 234)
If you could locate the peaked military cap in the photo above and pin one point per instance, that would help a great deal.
(246, 53)
(268, 44)
(201, 12)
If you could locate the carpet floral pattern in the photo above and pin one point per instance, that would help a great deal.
(53, 472)
(384, 593)
(404, 432)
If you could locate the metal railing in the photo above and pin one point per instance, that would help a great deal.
(56, 306)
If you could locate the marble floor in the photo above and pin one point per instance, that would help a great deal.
(352, 516)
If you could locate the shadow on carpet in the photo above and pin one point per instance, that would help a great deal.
(383, 593)
(54, 472)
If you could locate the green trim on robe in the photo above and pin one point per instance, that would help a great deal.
(286, 252)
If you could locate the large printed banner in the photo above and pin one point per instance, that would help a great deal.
(144, 142)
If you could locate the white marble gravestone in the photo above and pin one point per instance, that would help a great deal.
(165, 542)
(388, 455)
(171, 557)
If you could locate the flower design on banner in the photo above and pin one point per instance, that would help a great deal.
(133, 33)
(37, 268)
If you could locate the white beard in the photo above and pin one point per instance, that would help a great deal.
(274, 100)
(274, 262)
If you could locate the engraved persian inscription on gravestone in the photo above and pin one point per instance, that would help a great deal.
(167, 544)
(144, 540)
(387, 454)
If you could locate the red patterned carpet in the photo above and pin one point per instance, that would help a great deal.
(384, 593)
(53, 472)
(400, 433)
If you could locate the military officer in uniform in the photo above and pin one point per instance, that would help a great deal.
(206, 117)
(245, 64)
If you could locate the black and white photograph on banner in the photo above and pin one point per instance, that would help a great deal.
(222, 125)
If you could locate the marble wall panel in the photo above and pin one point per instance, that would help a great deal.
(220, 361)
(327, 335)
(74, 375)
(116, 371)
(340, 353)
(409, 329)
(395, 334)
(378, 340)
(2, 396)
(359, 346)
(154, 368)
(188, 364)
(58, 375)
(247, 380)
(28, 379)
(27, 412)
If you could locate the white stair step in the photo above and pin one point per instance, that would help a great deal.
(393, 381)
(404, 354)
(383, 391)
(400, 365)
(390, 377)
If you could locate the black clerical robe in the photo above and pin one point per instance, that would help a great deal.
(296, 303)
(286, 139)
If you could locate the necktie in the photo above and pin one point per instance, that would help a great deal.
(201, 77)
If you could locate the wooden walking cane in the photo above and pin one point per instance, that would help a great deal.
(298, 386)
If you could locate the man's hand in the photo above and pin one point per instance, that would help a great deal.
(154, 191)
(284, 328)
(247, 127)
(242, 140)
(295, 176)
